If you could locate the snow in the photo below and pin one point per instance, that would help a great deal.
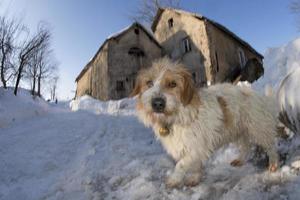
(88, 149)
(282, 72)
(99, 150)
(278, 62)
(14, 109)
(118, 107)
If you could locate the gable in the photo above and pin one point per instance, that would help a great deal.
(117, 36)
(222, 28)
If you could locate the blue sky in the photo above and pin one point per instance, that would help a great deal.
(80, 26)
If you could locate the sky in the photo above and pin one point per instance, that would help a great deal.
(80, 26)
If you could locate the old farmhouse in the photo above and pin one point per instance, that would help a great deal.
(211, 52)
(112, 71)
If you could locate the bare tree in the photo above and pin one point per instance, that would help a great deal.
(42, 66)
(53, 87)
(147, 9)
(47, 69)
(28, 49)
(295, 9)
(9, 32)
(31, 72)
(295, 6)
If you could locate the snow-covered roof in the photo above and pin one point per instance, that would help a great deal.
(201, 17)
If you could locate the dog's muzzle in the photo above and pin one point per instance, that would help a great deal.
(158, 104)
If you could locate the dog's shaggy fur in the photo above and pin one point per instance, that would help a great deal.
(197, 122)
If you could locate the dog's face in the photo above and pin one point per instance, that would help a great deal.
(163, 89)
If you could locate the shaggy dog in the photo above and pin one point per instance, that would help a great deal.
(191, 124)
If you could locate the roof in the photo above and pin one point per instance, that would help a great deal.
(200, 17)
(116, 36)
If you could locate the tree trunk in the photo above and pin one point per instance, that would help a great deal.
(17, 82)
(2, 78)
(33, 86)
(39, 86)
(2, 70)
(19, 76)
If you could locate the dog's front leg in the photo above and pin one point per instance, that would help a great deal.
(187, 171)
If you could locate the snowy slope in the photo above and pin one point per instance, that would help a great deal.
(14, 109)
(278, 62)
(108, 154)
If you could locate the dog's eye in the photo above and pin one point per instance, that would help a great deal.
(149, 83)
(172, 84)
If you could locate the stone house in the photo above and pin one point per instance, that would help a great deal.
(111, 73)
(211, 52)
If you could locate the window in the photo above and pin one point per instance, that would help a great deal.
(120, 86)
(242, 57)
(135, 51)
(217, 60)
(170, 23)
(194, 76)
(186, 45)
(136, 31)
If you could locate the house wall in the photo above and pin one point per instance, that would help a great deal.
(100, 78)
(124, 67)
(226, 49)
(185, 25)
(84, 84)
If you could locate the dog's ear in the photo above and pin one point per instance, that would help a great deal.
(137, 87)
(189, 89)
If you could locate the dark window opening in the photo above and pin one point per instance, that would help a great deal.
(242, 57)
(171, 22)
(120, 86)
(186, 45)
(194, 77)
(135, 51)
(136, 31)
(127, 79)
(217, 59)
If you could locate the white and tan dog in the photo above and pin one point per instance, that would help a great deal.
(191, 124)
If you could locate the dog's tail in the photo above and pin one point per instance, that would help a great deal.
(288, 96)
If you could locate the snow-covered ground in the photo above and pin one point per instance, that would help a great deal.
(99, 150)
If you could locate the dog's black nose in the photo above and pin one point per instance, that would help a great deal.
(158, 104)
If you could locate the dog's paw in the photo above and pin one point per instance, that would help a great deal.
(192, 180)
(273, 167)
(172, 182)
(237, 163)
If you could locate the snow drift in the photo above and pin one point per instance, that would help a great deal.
(278, 62)
(118, 107)
(16, 108)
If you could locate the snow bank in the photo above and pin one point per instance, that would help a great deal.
(118, 107)
(278, 62)
(16, 108)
